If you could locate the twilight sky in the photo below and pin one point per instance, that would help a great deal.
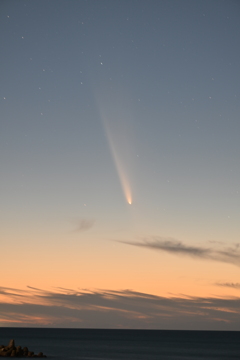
(119, 151)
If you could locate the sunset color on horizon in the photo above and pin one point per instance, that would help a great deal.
(120, 177)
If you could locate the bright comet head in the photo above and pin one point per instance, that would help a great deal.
(128, 197)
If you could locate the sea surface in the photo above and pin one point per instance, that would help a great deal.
(78, 344)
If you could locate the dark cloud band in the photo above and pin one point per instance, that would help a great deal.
(114, 309)
(230, 255)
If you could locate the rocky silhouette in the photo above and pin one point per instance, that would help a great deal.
(17, 351)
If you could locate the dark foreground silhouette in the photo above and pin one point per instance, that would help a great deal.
(17, 351)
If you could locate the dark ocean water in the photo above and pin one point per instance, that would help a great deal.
(73, 344)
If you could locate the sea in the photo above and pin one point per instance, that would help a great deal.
(96, 344)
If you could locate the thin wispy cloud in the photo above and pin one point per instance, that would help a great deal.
(229, 285)
(117, 309)
(230, 255)
(83, 224)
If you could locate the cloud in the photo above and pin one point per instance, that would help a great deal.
(230, 255)
(117, 309)
(231, 285)
(83, 224)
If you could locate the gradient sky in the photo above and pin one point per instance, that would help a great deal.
(104, 103)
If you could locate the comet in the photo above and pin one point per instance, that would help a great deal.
(124, 180)
(117, 126)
